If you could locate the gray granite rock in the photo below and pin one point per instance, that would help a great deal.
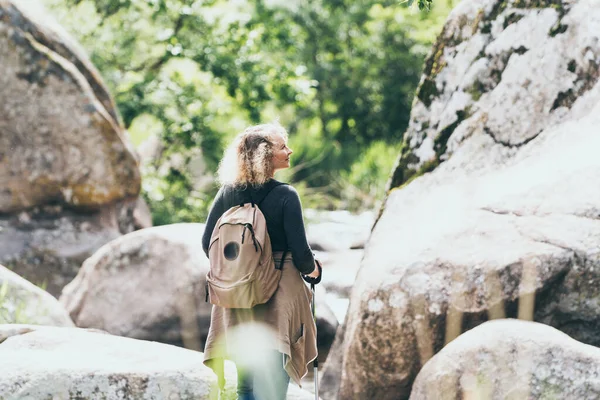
(47, 245)
(507, 224)
(23, 302)
(42, 362)
(511, 359)
(69, 177)
(71, 363)
(60, 135)
(148, 284)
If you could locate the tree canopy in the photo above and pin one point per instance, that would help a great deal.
(339, 74)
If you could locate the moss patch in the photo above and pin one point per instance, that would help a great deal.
(586, 79)
(477, 21)
(434, 63)
(487, 27)
(426, 167)
(441, 142)
(427, 91)
(403, 174)
(433, 66)
(498, 8)
(511, 19)
(556, 4)
(521, 50)
(476, 90)
(495, 75)
(558, 29)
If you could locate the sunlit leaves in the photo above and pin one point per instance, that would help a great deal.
(423, 4)
(340, 74)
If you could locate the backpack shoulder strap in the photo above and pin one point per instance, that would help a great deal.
(258, 200)
(273, 186)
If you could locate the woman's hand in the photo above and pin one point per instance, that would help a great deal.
(315, 274)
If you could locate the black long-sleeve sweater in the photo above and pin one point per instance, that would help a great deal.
(283, 212)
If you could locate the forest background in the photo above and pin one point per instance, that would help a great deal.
(187, 76)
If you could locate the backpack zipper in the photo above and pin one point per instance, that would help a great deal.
(254, 241)
(246, 226)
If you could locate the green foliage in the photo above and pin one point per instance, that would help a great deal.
(423, 4)
(362, 185)
(340, 74)
(172, 199)
(11, 312)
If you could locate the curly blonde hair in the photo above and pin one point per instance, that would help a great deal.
(249, 158)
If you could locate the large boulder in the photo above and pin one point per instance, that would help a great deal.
(508, 222)
(47, 245)
(42, 362)
(59, 128)
(23, 302)
(69, 176)
(511, 359)
(148, 284)
(8, 330)
(71, 363)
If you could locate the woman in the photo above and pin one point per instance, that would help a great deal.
(247, 171)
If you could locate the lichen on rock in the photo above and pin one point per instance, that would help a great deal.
(490, 212)
(511, 359)
(69, 177)
(504, 37)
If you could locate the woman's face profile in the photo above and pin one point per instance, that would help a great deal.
(281, 153)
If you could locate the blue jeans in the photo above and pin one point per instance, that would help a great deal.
(269, 383)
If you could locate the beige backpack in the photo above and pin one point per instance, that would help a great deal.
(242, 271)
